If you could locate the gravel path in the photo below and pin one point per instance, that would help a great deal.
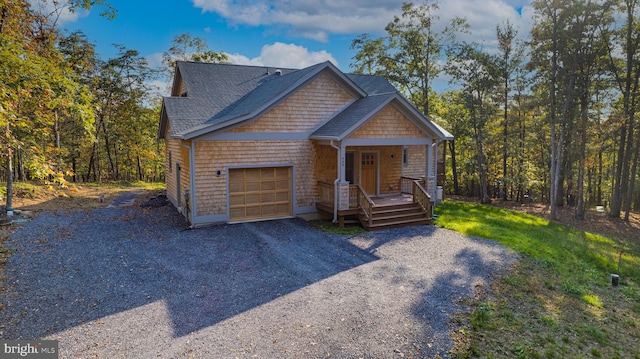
(132, 283)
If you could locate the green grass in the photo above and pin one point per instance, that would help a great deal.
(329, 227)
(558, 297)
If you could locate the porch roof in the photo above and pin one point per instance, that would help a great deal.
(354, 116)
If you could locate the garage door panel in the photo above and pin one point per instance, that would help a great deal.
(282, 197)
(268, 198)
(236, 212)
(252, 174)
(282, 172)
(236, 200)
(268, 211)
(282, 209)
(283, 185)
(252, 198)
(268, 185)
(253, 212)
(236, 187)
(252, 186)
(259, 193)
(267, 173)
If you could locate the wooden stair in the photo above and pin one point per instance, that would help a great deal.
(396, 215)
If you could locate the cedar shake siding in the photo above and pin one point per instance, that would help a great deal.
(304, 110)
(178, 155)
(417, 162)
(388, 123)
(252, 143)
(211, 156)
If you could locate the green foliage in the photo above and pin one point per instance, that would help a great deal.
(332, 228)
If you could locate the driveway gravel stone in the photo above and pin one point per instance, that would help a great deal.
(132, 282)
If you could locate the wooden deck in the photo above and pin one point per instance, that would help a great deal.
(390, 211)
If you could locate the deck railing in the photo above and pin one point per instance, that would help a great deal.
(406, 184)
(421, 197)
(326, 192)
(366, 203)
(353, 196)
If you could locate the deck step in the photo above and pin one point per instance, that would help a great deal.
(396, 216)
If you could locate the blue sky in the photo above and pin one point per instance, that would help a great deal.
(278, 33)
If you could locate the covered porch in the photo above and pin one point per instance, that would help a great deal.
(411, 205)
(377, 161)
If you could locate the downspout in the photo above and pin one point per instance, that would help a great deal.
(190, 197)
(335, 185)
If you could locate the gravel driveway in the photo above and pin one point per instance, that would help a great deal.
(133, 283)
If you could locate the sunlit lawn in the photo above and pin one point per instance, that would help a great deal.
(558, 301)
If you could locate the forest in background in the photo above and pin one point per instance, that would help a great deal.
(550, 119)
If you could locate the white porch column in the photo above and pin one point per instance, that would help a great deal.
(343, 185)
(343, 194)
(431, 176)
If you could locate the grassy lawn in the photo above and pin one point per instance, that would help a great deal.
(558, 300)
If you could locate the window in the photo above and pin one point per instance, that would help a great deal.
(350, 168)
(405, 156)
(170, 163)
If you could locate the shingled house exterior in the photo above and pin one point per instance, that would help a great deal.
(247, 143)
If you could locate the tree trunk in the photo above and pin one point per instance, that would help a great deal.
(140, 175)
(21, 174)
(584, 112)
(91, 160)
(9, 202)
(108, 148)
(553, 189)
(505, 139)
(454, 167)
(634, 169)
(629, 93)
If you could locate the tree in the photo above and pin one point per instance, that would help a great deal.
(187, 48)
(476, 72)
(623, 48)
(509, 59)
(411, 54)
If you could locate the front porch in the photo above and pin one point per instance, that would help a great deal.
(350, 202)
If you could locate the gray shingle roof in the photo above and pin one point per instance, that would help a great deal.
(268, 90)
(212, 88)
(218, 94)
(347, 120)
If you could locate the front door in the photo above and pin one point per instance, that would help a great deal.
(369, 172)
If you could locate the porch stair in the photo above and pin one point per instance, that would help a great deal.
(397, 215)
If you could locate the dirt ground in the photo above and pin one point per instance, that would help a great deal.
(38, 197)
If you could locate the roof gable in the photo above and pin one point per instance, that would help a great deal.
(355, 116)
(304, 110)
(219, 96)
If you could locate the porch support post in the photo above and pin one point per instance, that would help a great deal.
(343, 185)
(430, 182)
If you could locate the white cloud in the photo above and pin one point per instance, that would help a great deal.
(284, 55)
(314, 19)
(317, 19)
(154, 60)
(56, 13)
